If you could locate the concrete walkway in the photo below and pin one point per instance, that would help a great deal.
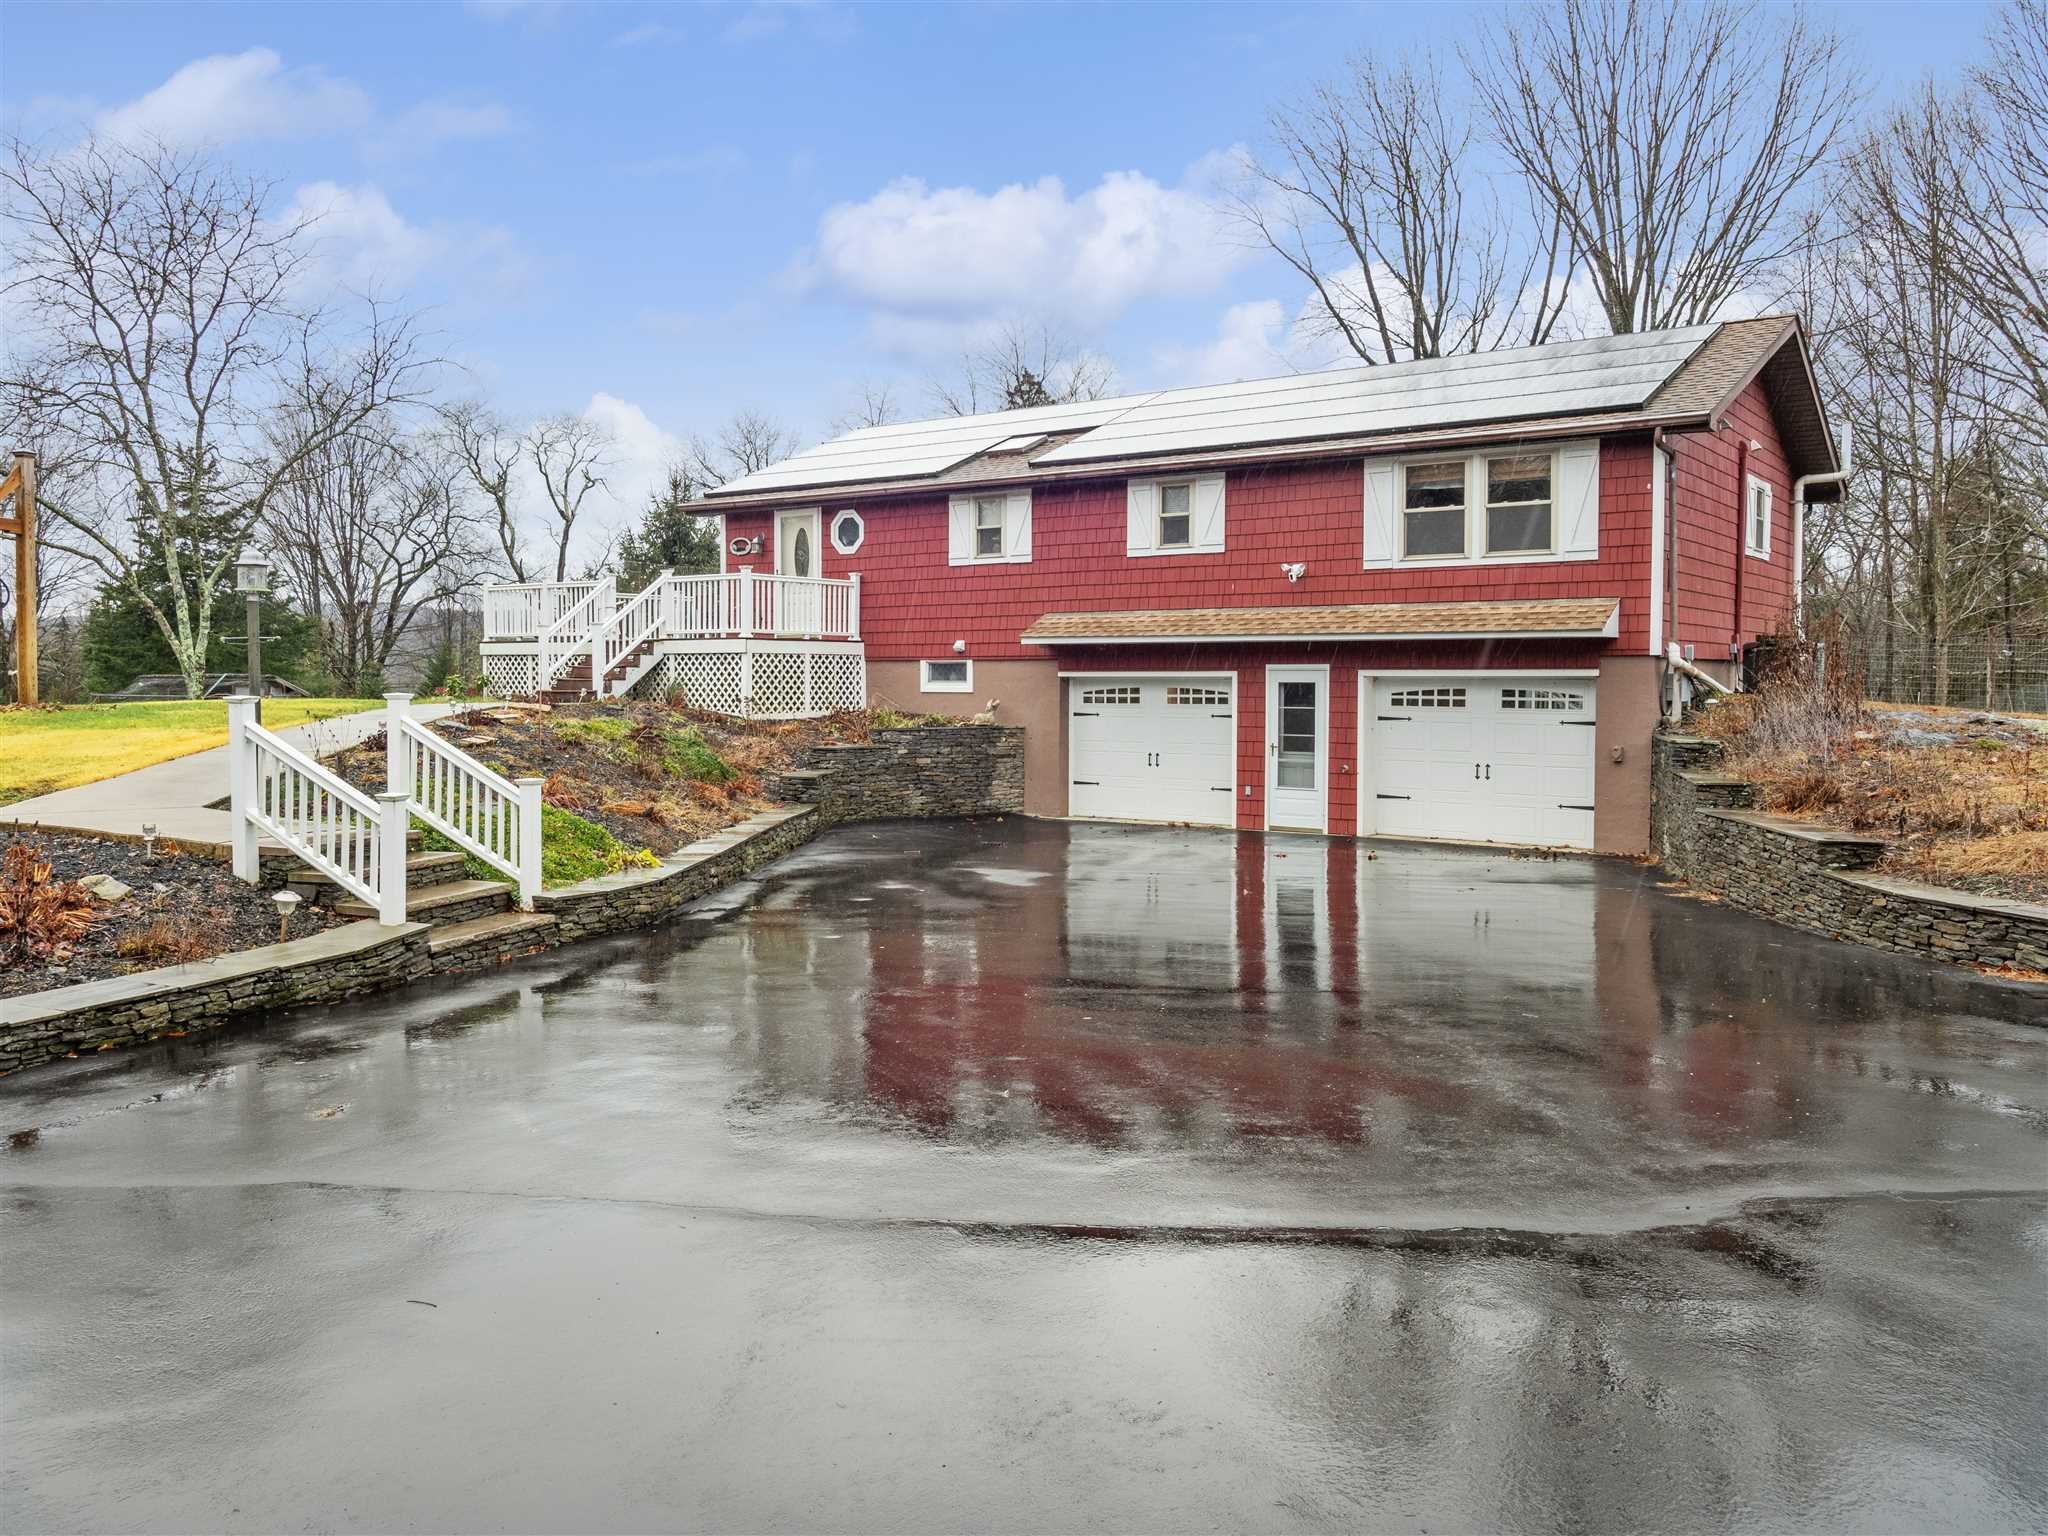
(174, 796)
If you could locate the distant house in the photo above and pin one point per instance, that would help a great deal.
(1427, 599)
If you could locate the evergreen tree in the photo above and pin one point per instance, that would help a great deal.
(670, 536)
(124, 639)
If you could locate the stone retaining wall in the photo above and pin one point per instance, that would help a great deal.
(1817, 877)
(633, 898)
(182, 999)
(927, 770)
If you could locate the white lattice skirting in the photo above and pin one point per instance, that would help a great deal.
(512, 675)
(760, 684)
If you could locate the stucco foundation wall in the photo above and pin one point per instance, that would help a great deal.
(185, 999)
(1030, 697)
(1628, 707)
(1816, 878)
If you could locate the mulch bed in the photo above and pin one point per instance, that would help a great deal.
(199, 900)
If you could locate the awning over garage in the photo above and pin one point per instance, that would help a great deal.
(1589, 618)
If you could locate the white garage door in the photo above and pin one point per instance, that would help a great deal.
(1484, 759)
(1151, 749)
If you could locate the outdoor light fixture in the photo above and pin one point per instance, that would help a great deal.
(286, 900)
(252, 580)
(959, 647)
(148, 840)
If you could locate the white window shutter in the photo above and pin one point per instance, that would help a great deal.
(1578, 501)
(1208, 521)
(1141, 515)
(1017, 529)
(960, 530)
(1379, 512)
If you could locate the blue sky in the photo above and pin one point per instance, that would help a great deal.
(668, 213)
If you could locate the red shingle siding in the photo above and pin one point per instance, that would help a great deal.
(1708, 517)
(914, 604)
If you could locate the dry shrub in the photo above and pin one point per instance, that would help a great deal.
(40, 917)
(564, 794)
(167, 941)
(754, 754)
(628, 807)
(1811, 789)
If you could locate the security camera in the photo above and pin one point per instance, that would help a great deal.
(1294, 571)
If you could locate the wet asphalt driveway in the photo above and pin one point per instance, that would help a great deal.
(1025, 1176)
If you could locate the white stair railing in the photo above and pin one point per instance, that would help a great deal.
(356, 840)
(475, 807)
(637, 621)
(575, 633)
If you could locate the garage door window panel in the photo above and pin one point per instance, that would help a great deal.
(1433, 509)
(1518, 505)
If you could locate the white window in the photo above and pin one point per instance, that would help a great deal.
(847, 531)
(1429, 698)
(1528, 502)
(1175, 517)
(1119, 695)
(1433, 508)
(989, 528)
(945, 676)
(1756, 536)
(1518, 504)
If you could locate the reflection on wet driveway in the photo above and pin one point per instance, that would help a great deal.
(1019, 1174)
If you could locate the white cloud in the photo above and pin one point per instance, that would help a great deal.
(252, 95)
(248, 95)
(641, 453)
(1255, 340)
(365, 244)
(914, 252)
(649, 34)
(773, 18)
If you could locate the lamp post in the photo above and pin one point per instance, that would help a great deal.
(252, 580)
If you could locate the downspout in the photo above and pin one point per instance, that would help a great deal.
(1669, 596)
(1833, 477)
(1741, 557)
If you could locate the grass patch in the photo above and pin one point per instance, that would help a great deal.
(652, 745)
(572, 848)
(43, 750)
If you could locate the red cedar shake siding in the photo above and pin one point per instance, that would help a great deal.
(1710, 533)
(914, 605)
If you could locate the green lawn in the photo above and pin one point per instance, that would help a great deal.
(48, 749)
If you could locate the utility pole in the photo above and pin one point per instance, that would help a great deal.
(20, 488)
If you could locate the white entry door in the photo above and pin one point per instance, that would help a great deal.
(1298, 748)
(1481, 759)
(1152, 748)
(799, 605)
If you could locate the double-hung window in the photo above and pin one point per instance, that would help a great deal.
(988, 527)
(1756, 534)
(1518, 504)
(1176, 514)
(1433, 509)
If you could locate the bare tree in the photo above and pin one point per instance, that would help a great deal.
(750, 441)
(155, 320)
(1372, 193)
(1670, 136)
(373, 532)
(873, 405)
(1023, 364)
(570, 454)
(489, 452)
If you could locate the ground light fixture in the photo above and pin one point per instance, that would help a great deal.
(286, 901)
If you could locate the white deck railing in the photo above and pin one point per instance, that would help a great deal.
(734, 604)
(475, 807)
(522, 610)
(356, 840)
(575, 633)
(637, 621)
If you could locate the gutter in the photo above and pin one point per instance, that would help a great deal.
(1832, 477)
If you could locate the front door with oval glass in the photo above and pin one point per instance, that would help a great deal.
(1297, 748)
(799, 601)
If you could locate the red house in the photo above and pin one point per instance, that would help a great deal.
(1431, 599)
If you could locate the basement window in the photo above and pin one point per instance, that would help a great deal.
(945, 676)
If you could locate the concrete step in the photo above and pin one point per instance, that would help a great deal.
(478, 942)
(421, 870)
(452, 901)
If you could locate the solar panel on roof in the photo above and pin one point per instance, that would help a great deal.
(1558, 379)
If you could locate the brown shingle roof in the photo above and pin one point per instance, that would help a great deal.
(1591, 616)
